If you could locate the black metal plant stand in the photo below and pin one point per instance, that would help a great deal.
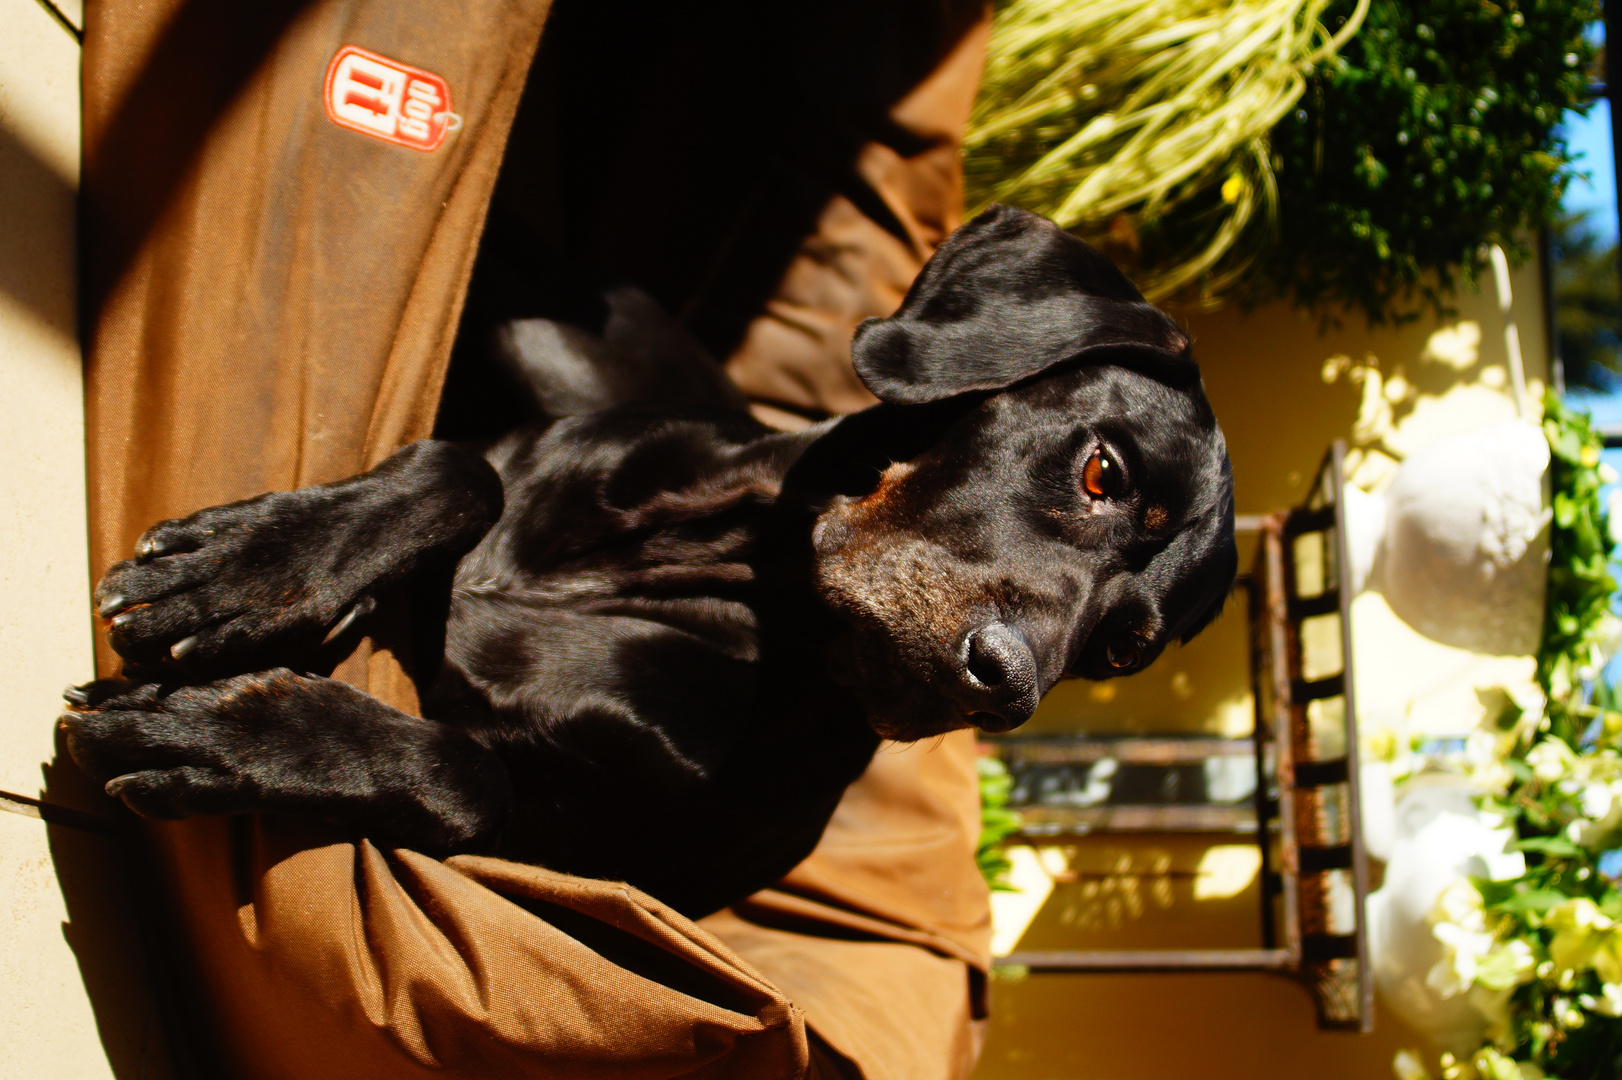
(1306, 814)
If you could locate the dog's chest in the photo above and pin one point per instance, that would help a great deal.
(643, 569)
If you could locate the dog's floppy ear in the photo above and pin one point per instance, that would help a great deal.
(1006, 297)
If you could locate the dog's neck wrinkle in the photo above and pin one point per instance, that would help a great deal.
(726, 532)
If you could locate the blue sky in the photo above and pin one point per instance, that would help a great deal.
(1589, 139)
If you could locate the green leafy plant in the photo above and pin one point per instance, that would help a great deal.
(1577, 620)
(997, 824)
(1432, 134)
(1349, 153)
(1540, 952)
(1114, 117)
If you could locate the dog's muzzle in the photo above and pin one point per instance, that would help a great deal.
(999, 674)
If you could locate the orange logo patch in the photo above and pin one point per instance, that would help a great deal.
(389, 100)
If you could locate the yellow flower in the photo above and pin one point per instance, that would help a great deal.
(1506, 966)
(1380, 744)
(1584, 938)
(1232, 188)
(1491, 1065)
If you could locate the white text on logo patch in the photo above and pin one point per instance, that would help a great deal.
(389, 100)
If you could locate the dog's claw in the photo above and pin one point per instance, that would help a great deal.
(146, 549)
(359, 610)
(110, 605)
(180, 649)
(77, 695)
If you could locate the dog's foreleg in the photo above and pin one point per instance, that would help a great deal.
(277, 575)
(278, 742)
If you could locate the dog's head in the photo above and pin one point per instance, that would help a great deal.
(1074, 516)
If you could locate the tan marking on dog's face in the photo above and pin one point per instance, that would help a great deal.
(876, 571)
(906, 601)
(890, 482)
(1154, 519)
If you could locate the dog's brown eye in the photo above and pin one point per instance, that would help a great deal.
(1101, 476)
(1122, 656)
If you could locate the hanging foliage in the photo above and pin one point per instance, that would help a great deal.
(1354, 152)
(1431, 135)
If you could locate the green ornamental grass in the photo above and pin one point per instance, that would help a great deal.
(1348, 153)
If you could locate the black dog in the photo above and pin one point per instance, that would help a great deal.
(673, 639)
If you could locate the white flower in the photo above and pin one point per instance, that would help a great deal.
(1560, 680)
(1459, 904)
(1407, 1066)
(1484, 753)
(1462, 953)
(1592, 767)
(1602, 815)
(1527, 697)
(1459, 924)
(1609, 1002)
(1550, 759)
(1607, 636)
(1500, 865)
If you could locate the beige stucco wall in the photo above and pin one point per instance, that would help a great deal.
(1282, 390)
(77, 1002)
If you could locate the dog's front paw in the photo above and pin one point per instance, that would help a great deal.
(278, 742)
(177, 752)
(254, 579)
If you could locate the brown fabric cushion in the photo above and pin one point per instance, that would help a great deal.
(901, 1011)
(270, 302)
(323, 957)
(894, 859)
(882, 936)
(796, 352)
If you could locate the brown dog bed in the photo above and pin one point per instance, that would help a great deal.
(272, 291)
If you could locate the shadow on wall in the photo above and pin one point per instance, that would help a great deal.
(34, 191)
(112, 928)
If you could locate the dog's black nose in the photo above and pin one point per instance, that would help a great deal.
(1002, 678)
